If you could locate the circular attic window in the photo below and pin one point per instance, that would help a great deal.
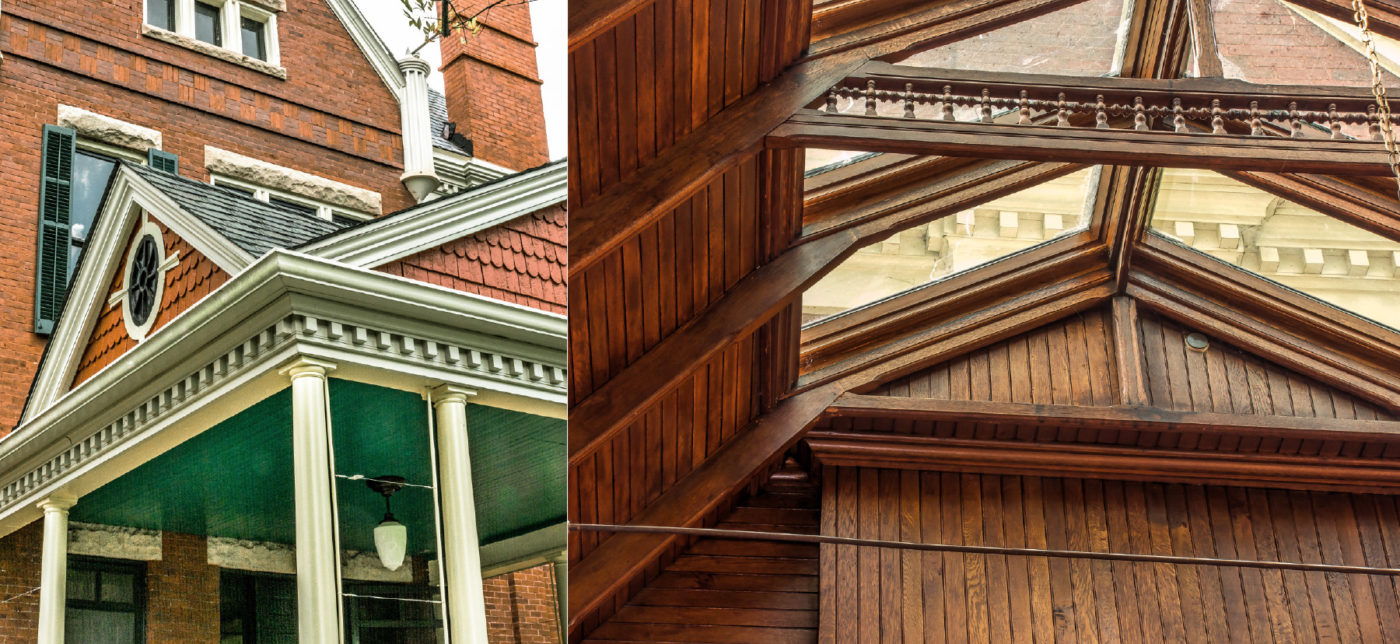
(144, 280)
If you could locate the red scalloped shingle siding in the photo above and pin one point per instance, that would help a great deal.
(188, 282)
(523, 261)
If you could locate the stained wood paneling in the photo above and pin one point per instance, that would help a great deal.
(895, 595)
(735, 591)
(664, 71)
(1072, 362)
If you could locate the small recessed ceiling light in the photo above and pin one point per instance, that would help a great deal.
(1197, 342)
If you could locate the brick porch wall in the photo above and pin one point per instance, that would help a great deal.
(520, 607)
(182, 593)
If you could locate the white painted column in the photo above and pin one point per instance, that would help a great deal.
(418, 174)
(53, 572)
(561, 593)
(461, 556)
(318, 558)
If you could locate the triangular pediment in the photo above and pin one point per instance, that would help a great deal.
(1077, 362)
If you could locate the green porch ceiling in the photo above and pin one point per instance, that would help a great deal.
(235, 479)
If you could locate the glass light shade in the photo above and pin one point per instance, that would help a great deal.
(391, 540)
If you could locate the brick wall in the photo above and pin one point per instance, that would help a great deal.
(493, 89)
(19, 574)
(332, 117)
(520, 607)
(182, 593)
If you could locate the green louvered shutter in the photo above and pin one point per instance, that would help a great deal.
(55, 208)
(163, 161)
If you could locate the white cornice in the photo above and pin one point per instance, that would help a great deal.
(128, 195)
(378, 55)
(223, 353)
(437, 222)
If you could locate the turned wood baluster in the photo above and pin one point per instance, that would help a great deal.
(986, 105)
(1256, 126)
(831, 101)
(1025, 109)
(1295, 125)
(870, 98)
(1375, 123)
(947, 102)
(1139, 116)
(1333, 121)
(1217, 121)
(909, 100)
(1101, 114)
(1178, 116)
(1062, 117)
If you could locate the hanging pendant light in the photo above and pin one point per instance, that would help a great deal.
(390, 536)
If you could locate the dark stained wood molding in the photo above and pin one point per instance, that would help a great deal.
(940, 341)
(837, 338)
(751, 303)
(1384, 14)
(923, 199)
(1127, 352)
(1316, 340)
(813, 128)
(1120, 417)
(1127, 214)
(589, 18)
(1203, 38)
(948, 22)
(1114, 463)
(1354, 204)
(617, 560)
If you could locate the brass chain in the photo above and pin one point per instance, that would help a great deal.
(1363, 20)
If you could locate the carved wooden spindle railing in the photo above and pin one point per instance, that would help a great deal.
(1143, 105)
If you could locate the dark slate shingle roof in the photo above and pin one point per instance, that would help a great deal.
(437, 118)
(252, 225)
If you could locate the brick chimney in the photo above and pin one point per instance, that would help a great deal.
(493, 86)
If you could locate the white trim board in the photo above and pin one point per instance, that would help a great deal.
(378, 55)
(443, 220)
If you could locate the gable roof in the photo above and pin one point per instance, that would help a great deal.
(427, 225)
(253, 225)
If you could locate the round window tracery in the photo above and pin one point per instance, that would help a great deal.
(142, 279)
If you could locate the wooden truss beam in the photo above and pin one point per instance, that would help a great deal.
(1119, 417)
(813, 128)
(757, 297)
(1339, 198)
(589, 18)
(620, 558)
(1384, 14)
(1068, 292)
(1333, 347)
(1121, 463)
(606, 221)
(1203, 39)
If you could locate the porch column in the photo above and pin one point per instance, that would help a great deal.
(466, 604)
(318, 560)
(561, 593)
(53, 571)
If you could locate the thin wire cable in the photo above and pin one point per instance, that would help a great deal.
(394, 599)
(755, 535)
(26, 593)
(362, 477)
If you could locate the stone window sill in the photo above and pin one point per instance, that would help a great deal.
(216, 51)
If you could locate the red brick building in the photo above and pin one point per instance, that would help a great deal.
(265, 288)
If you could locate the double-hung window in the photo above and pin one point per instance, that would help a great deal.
(230, 25)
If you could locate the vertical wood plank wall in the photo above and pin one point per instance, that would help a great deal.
(635, 91)
(1072, 362)
(871, 594)
(736, 591)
